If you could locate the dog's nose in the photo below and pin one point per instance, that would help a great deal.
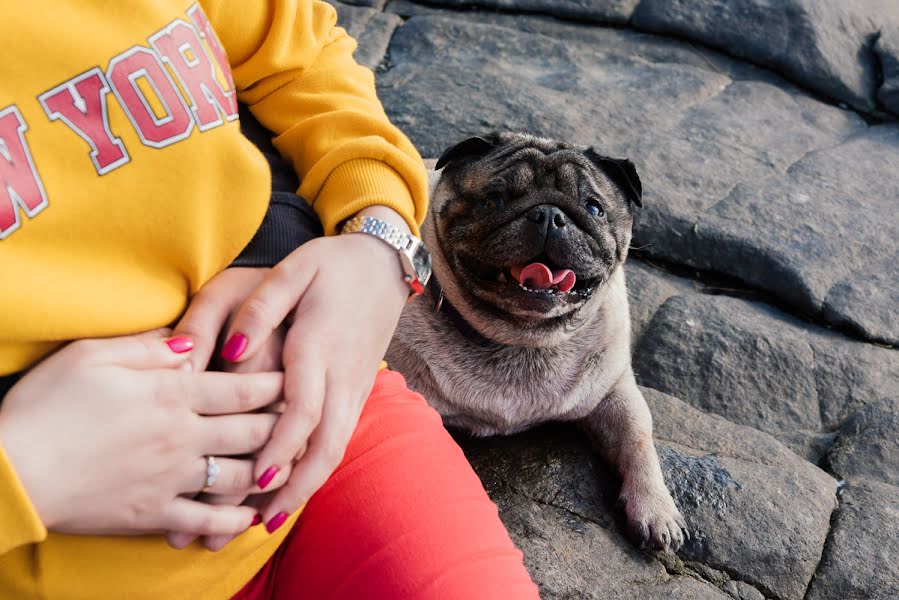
(548, 216)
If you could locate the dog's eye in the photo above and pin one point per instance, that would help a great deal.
(493, 202)
(595, 208)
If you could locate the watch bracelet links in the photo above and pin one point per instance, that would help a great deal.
(382, 230)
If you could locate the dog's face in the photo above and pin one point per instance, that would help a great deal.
(528, 230)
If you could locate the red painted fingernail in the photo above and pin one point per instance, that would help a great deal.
(257, 519)
(235, 347)
(276, 522)
(180, 344)
(267, 476)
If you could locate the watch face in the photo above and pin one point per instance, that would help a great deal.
(421, 262)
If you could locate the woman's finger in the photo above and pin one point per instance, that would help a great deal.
(199, 518)
(232, 477)
(207, 316)
(217, 542)
(179, 539)
(304, 394)
(267, 307)
(213, 393)
(233, 435)
(157, 349)
(327, 446)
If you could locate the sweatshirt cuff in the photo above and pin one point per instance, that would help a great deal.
(19, 522)
(361, 183)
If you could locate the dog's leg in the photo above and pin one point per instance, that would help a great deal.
(621, 427)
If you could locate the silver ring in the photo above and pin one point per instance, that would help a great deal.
(212, 471)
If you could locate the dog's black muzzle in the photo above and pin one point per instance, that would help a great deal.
(548, 222)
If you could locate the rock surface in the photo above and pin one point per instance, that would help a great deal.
(757, 512)
(759, 367)
(887, 49)
(647, 289)
(609, 11)
(821, 44)
(859, 560)
(777, 206)
(867, 444)
(371, 28)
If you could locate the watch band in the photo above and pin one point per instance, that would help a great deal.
(398, 239)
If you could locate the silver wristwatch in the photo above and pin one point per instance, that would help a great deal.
(414, 256)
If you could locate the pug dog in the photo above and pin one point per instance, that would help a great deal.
(528, 314)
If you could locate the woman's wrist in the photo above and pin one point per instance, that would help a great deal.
(385, 257)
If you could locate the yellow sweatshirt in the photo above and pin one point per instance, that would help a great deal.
(125, 184)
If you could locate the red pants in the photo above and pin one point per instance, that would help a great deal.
(402, 517)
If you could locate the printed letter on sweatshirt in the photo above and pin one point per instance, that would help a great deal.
(180, 46)
(198, 18)
(20, 185)
(80, 103)
(155, 131)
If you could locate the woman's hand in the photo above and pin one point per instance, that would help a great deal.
(206, 319)
(344, 295)
(105, 435)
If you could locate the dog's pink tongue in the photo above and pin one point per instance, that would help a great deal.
(539, 276)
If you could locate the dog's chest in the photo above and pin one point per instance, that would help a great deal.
(503, 390)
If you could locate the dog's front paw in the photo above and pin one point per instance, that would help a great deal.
(653, 520)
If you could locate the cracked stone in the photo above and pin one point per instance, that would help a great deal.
(824, 45)
(887, 49)
(859, 561)
(824, 237)
(370, 27)
(377, 4)
(647, 289)
(608, 11)
(813, 446)
(757, 511)
(867, 444)
(757, 366)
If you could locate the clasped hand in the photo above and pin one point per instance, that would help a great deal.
(134, 421)
(333, 304)
(108, 436)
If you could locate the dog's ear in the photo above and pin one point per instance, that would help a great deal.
(622, 172)
(474, 146)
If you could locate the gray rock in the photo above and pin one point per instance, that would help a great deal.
(747, 592)
(573, 558)
(813, 446)
(606, 11)
(371, 28)
(647, 290)
(757, 511)
(557, 503)
(824, 237)
(859, 561)
(377, 4)
(759, 367)
(887, 49)
(824, 45)
(746, 177)
(867, 445)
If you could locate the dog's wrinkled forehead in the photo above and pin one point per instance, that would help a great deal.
(519, 163)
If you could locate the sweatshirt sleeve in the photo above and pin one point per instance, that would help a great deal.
(19, 522)
(295, 70)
